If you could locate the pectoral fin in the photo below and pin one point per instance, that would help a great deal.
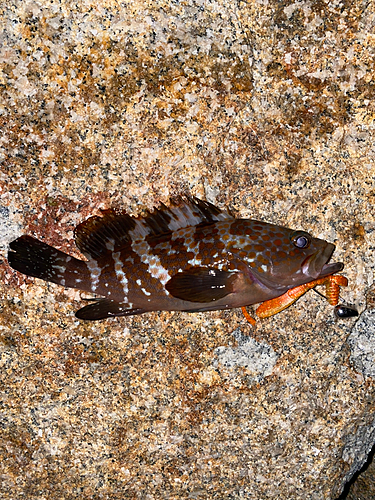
(201, 284)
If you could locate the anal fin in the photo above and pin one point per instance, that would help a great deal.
(106, 308)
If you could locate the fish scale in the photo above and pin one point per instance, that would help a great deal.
(190, 256)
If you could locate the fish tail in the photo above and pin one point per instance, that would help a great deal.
(35, 258)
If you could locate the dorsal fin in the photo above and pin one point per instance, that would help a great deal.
(97, 236)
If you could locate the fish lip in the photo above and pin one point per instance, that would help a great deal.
(317, 265)
(332, 268)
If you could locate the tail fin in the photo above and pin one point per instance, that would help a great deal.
(35, 258)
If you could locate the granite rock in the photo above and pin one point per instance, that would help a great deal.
(264, 107)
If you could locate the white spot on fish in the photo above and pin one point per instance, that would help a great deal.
(62, 269)
(195, 262)
(110, 245)
(140, 231)
(119, 265)
(95, 272)
(154, 266)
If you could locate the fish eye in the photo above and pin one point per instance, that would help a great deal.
(300, 239)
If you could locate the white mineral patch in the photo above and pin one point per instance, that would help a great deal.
(362, 344)
(258, 357)
(9, 229)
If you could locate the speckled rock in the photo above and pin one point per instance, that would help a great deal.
(265, 107)
(362, 484)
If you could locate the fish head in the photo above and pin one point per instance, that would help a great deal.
(301, 258)
(286, 258)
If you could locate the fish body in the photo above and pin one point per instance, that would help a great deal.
(188, 257)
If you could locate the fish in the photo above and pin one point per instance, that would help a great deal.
(190, 256)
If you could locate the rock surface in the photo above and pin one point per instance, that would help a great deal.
(265, 107)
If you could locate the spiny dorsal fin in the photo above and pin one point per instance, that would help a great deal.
(97, 236)
(113, 231)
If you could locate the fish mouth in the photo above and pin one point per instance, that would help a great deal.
(316, 265)
(333, 268)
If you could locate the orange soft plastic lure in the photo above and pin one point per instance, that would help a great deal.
(189, 257)
(274, 306)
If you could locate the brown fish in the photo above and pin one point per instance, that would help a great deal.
(189, 257)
